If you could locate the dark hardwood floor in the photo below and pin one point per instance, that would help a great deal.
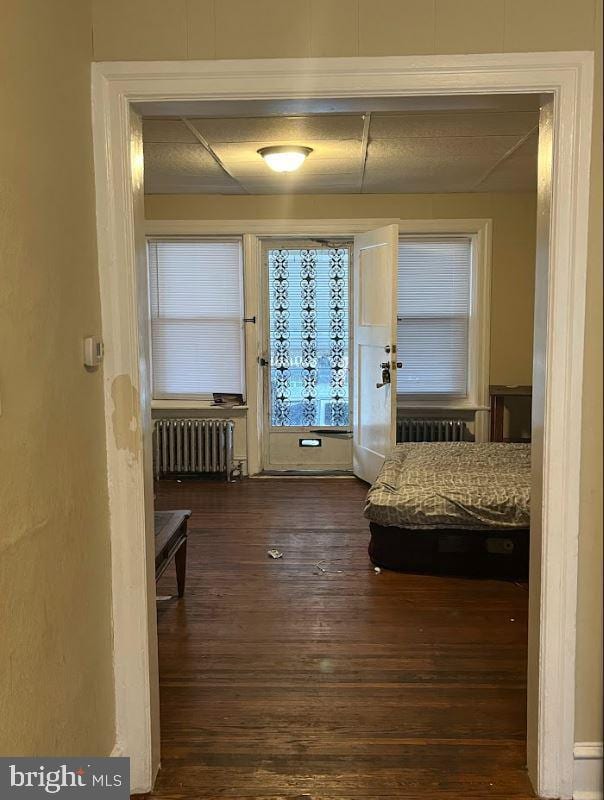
(279, 680)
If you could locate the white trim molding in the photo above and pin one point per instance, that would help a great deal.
(589, 775)
(118, 90)
(198, 405)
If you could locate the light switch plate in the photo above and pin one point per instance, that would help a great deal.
(93, 351)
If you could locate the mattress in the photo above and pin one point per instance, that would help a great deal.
(453, 485)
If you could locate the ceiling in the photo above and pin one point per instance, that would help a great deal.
(383, 146)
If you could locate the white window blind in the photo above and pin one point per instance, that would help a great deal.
(433, 310)
(196, 302)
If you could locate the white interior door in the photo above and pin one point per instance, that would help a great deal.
(375, 360)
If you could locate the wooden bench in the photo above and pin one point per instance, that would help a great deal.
(171, 543)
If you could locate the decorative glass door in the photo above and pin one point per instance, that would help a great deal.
(308, 351)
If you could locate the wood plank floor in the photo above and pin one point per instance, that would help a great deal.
(279, 680)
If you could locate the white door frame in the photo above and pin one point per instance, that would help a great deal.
(120, 225)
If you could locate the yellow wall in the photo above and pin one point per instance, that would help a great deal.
(181, 29)
(513, 246)
(56, 686)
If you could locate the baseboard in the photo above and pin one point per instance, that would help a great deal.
(588, 777)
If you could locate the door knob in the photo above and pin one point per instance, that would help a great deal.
(385, 365)
(399, 364)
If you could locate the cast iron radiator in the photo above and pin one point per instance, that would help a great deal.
(193, 446)
(409, 429)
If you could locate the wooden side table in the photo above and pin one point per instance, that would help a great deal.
(171, 543)
(498, 394)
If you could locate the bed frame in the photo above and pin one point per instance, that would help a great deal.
(480, 554)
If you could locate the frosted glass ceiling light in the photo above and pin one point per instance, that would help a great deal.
(285, 158)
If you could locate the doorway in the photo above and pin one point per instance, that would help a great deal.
(119, 170)
(306, 382)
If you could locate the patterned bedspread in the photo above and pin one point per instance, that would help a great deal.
(453, 485)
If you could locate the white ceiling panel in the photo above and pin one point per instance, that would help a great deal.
(191, 187)
(167, 130)
(284, 130)
(183, 164)
(436, 175)
(468, 124)
(425, 184)
(180, 159)
(518, 173)
(385, 153)
(316, 184)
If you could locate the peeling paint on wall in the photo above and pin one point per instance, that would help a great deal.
(125, 415)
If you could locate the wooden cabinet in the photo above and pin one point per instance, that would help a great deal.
(500, 399)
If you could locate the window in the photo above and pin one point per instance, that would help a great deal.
(434, 306)
(309, 337)
(196, 304)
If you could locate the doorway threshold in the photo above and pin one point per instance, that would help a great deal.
(306, 473)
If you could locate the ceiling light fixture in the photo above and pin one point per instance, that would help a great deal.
(285, 157)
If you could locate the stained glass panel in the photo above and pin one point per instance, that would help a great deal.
(309, 329)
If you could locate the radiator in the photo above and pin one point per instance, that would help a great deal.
(193, 446)
(409, 429)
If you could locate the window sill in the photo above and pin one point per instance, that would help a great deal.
(190, 405)
(443, 405)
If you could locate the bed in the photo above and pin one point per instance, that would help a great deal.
(454, 508)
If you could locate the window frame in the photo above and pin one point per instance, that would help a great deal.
(479, 232)
(202, 399)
